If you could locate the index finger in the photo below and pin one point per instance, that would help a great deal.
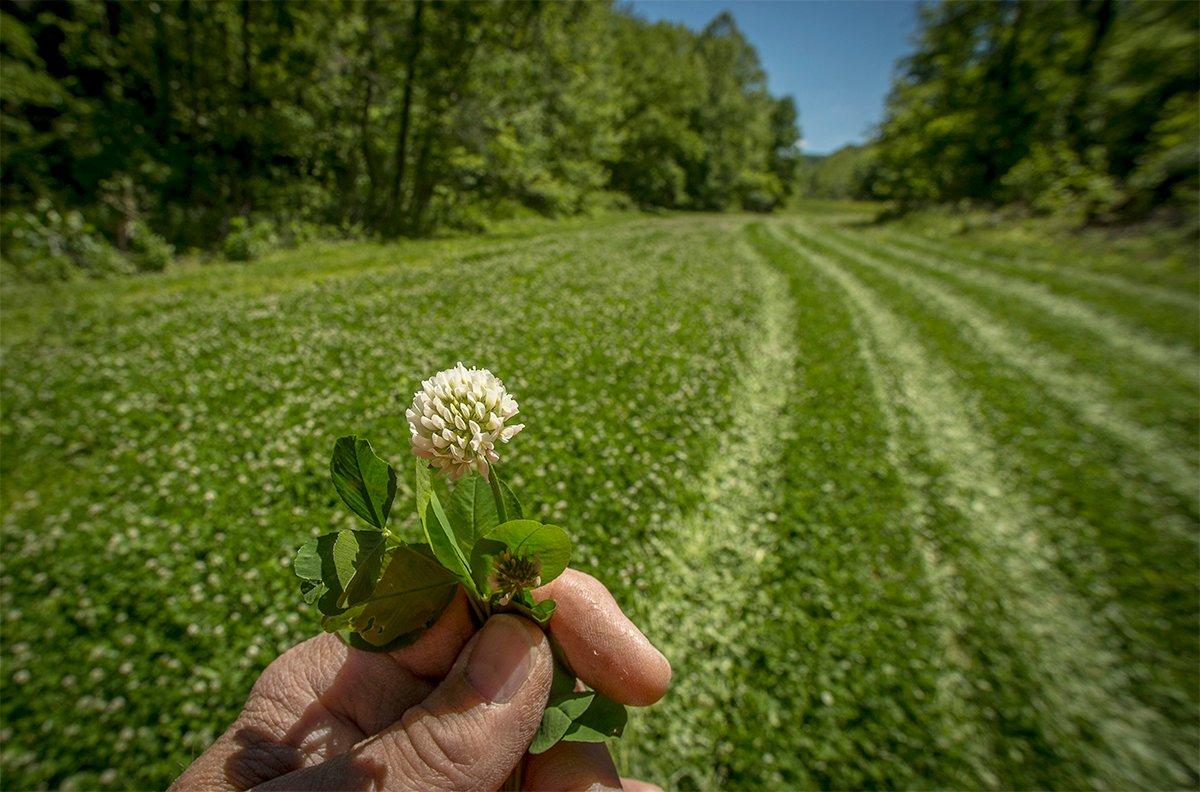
(605, 649)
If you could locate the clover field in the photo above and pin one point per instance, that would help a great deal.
(903, 509)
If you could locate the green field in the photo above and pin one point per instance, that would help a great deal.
(903, 509)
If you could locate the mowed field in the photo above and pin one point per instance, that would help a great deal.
(903, 509)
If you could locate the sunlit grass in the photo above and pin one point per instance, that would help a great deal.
(903, 510)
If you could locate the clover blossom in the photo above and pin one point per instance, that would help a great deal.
(457, 417)
(511, 573)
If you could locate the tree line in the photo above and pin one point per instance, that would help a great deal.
(1087, 107)
(197, 119)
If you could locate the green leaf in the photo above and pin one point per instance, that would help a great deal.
(307, 564)
(366, 483)
(310, 591)
(538, 611)
(368, 549)
(526, 538)
(511, 504)
(603, 718)
(574, 716)
(554, 725)
(558, 719)
(471, 510)
(562, 708)
(339, 569)
(542, 612)
(437, 527)
(410, 596)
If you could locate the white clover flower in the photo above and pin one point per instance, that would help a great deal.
(457, 417)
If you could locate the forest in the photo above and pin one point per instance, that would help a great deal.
(187, 123)
(1085, 109)
(133, 131)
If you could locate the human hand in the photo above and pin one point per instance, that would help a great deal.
(455, 710)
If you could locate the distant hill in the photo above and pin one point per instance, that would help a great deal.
(840, 174)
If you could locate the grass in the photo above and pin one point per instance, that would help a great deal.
(904, 508)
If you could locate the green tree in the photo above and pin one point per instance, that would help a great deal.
(1086, 107)
(390, 118)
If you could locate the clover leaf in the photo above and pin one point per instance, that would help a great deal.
(412, 593)
(526, 539)
(366, 483)
(576, 716)
(436, 524)
(339, 569)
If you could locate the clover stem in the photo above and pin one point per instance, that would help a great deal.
(478, 608)
(498, 496)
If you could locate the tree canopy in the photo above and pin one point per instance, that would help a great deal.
(1090, 104)
(392, 118)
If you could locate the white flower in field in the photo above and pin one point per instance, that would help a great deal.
(458, 416)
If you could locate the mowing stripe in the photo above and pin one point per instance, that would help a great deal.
(1088, 685)
(1108, 329)
(1116, 283)
(1115, 528)
(885, 608)
(1159, 397)
(708, 562)
(1089, 396)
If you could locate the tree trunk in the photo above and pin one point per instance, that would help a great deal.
(1101, 13)
(461, 53)
(394, 221)
(1008, 111)
(245, 146)
(370, 160)
(162, 101)
(189, 143)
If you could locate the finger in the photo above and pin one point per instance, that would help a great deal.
(431, 656)
(570, 766)
(636, 785)
(320, 698)
(602, 645)
(468, 734)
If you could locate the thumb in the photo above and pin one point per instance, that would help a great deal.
(475, 726)
(469, 733)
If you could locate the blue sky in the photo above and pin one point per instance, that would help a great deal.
(834, 56)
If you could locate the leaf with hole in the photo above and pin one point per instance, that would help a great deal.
(339, 569)
(411, 594)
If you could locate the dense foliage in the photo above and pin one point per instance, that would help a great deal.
(902, 511)
(840, 175)
(1087, 108)
(396, 118)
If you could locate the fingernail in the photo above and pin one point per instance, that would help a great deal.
(501, 659)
